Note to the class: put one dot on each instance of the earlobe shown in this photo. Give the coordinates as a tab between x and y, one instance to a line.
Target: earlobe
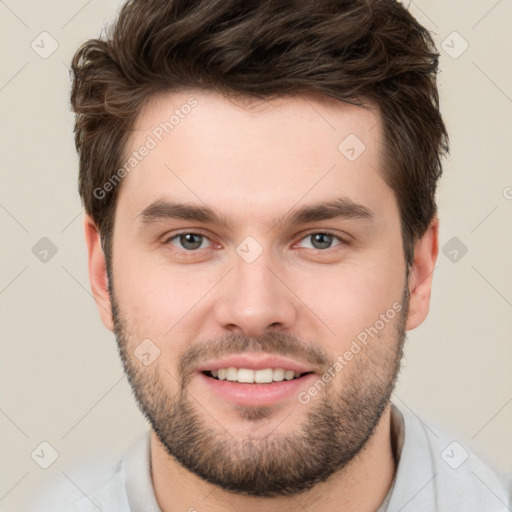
98	272
421	275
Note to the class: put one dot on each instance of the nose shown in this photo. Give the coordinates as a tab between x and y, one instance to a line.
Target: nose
254	298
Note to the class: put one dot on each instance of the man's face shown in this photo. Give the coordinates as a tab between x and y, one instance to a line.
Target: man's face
263	290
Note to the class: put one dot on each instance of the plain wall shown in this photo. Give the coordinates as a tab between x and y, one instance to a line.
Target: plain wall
61	380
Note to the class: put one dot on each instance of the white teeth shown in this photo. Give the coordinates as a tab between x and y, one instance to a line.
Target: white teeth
289	374
278	375
264	376
231	373
245	375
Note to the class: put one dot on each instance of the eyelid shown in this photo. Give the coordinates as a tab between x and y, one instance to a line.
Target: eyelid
344	237
343	240
167	238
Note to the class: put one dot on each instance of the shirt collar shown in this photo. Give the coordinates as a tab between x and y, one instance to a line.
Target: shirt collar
138	479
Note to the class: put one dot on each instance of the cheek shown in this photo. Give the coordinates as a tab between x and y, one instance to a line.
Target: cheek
152	295
352	300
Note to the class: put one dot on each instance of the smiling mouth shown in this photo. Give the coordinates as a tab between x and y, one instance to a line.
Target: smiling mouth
249	376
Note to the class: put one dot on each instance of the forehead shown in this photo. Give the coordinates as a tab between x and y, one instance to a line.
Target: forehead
231	153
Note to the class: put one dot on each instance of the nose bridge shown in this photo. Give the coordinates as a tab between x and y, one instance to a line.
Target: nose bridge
255	281
253	298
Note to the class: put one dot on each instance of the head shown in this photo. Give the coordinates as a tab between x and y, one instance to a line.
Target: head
216	141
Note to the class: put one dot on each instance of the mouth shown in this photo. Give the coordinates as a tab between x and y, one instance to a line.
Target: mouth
255	380
250	376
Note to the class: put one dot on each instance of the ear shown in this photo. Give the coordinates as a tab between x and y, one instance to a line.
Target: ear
98	272
426	250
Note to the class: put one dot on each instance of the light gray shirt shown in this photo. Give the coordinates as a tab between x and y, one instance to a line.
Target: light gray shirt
435	473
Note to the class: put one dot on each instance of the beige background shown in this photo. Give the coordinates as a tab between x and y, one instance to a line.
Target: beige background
61	380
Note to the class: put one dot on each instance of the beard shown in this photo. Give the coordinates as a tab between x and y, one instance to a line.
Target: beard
337	425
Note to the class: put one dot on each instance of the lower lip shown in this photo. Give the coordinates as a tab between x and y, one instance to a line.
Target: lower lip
257	394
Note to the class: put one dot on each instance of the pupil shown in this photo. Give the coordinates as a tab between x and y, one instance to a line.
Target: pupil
324	240
188	239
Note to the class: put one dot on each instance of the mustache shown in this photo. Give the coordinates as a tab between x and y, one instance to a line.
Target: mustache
274	343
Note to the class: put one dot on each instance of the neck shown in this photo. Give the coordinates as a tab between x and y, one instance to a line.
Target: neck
362	485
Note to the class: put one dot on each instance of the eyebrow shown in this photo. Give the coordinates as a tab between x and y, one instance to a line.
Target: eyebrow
339	208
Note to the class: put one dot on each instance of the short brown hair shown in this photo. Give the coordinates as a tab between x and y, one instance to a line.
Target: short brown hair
356	51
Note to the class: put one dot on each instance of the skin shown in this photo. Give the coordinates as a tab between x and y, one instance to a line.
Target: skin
254	164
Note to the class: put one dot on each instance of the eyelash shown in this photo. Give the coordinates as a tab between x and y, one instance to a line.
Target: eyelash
308	234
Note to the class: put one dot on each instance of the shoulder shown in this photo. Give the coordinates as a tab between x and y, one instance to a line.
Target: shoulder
90	487
440	472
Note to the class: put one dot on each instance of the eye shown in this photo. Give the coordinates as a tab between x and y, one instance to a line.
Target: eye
322	240
189	241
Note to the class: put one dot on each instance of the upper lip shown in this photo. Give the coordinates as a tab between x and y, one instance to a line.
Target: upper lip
253	362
